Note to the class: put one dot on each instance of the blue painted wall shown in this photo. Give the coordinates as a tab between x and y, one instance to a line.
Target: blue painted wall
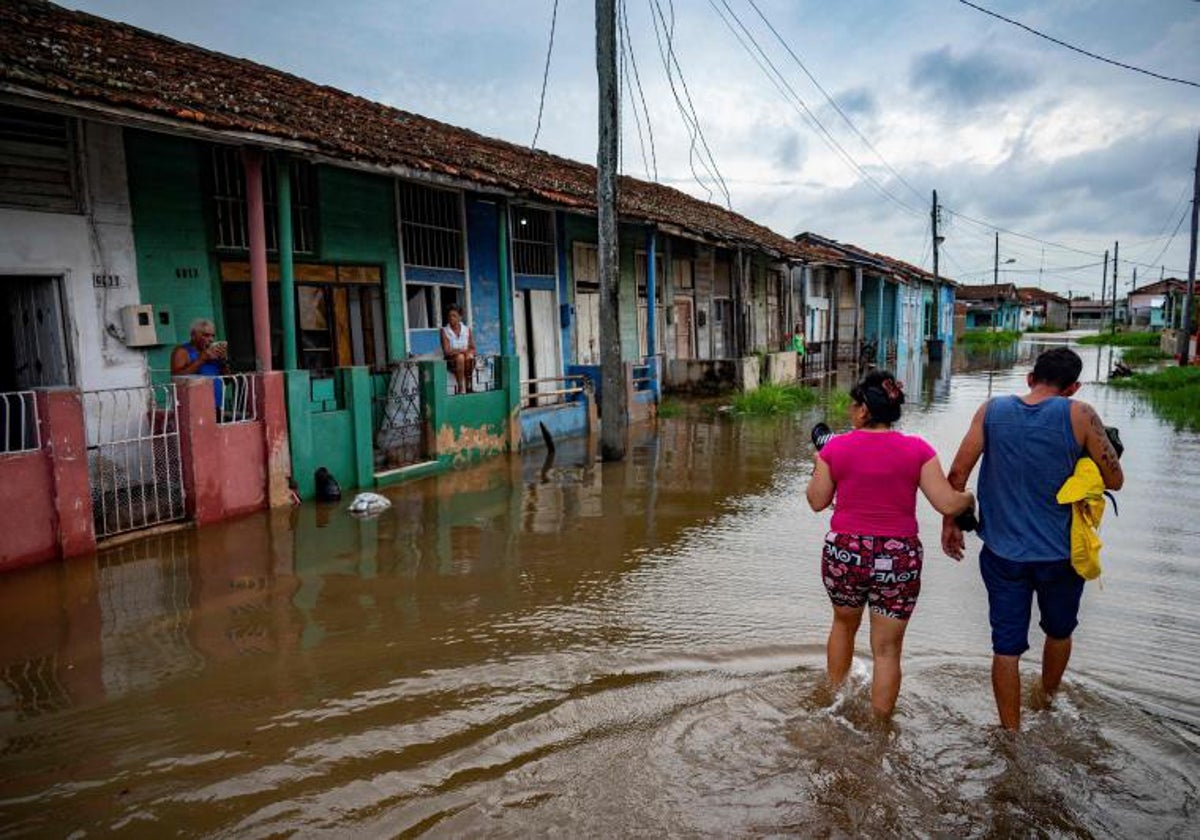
483	253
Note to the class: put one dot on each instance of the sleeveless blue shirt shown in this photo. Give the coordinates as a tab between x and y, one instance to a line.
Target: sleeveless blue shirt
1028	452
209	368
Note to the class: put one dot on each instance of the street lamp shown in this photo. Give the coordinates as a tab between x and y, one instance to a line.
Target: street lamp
996	280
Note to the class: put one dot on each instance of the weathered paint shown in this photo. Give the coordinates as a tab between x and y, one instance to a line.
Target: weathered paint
651	292
321	437
563	421
171	233
27	510
508	339
287	275
566	320
467	427
483	256
357	216
74	246
256	234
45	498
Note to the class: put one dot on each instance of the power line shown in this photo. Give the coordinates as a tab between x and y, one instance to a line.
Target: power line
833	102
545	76
790	94
692	121
1080	50
628	38
1167	245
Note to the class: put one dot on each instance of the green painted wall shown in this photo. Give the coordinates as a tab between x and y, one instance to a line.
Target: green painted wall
166	193
357	223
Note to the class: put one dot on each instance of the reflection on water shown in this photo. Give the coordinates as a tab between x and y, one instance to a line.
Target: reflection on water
631	648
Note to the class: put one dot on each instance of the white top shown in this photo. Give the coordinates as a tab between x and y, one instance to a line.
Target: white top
462	341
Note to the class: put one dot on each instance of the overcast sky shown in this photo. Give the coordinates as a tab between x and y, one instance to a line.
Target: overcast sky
1013	132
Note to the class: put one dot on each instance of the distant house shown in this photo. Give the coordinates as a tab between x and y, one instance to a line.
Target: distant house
1040	308
1158	305
1086	313
992	306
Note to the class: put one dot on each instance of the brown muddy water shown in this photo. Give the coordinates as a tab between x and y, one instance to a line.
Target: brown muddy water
628	649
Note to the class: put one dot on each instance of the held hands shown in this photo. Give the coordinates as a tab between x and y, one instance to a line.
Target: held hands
953	542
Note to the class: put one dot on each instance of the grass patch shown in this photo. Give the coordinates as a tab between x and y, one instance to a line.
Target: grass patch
987	338
670	407
1123	339
1173	393
770	400
1143	355
837	403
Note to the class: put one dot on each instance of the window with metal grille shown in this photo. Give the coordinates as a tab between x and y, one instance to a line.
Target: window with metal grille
532	242
37	161
229	201
431	227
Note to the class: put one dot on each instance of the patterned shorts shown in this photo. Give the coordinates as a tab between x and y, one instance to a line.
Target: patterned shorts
884	572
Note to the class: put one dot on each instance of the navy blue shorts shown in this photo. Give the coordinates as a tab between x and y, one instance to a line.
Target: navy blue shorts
1011	587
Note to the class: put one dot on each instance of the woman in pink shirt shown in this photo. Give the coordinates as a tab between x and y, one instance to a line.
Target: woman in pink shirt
873	552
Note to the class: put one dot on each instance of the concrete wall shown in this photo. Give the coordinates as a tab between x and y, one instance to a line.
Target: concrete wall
45	499
176	266
483	260
76	246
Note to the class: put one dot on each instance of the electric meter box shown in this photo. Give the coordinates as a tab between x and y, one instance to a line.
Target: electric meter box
146	325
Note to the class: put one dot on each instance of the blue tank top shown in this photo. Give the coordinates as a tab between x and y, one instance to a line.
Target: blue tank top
1028	452
209	368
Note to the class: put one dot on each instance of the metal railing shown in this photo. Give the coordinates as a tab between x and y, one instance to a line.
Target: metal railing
135	467
237	398
397	418
643	377
486	376
539	392
19	423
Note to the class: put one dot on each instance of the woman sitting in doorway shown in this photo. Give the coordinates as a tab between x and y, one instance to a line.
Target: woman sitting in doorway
458	346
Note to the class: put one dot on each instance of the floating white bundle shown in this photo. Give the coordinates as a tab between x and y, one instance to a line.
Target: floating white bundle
367	504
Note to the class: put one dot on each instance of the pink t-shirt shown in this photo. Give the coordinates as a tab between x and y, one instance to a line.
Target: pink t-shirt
877	476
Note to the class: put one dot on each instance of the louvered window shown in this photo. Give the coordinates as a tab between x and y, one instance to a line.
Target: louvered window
37	161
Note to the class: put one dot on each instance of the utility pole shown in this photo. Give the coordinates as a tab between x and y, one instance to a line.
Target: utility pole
1191	284
1112	323
996	282
613	399
933	218
1103	289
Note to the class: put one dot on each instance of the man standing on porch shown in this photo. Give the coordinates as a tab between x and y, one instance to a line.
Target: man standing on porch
202	356
458	346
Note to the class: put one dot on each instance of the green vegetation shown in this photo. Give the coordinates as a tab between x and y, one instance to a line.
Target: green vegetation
772	399
670	407
836	403
1173	393
1123	339
1143	355
987	338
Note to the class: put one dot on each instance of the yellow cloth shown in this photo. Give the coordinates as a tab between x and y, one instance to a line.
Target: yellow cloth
1084	492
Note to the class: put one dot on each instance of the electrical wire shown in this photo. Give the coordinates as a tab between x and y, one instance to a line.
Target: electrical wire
790	94
623	23
1080	50
690	118
545	76
833	103
1167	244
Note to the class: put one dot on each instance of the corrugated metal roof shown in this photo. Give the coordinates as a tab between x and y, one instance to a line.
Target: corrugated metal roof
49	51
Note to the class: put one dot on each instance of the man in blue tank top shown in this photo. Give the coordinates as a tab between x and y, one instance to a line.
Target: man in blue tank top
202	356
1029	446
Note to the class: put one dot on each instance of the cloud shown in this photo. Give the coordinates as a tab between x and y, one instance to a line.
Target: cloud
858	102
969	81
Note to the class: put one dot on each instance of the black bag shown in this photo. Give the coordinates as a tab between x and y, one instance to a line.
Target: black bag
328	489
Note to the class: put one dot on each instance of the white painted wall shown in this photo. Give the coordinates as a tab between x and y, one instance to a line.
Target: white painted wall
75	247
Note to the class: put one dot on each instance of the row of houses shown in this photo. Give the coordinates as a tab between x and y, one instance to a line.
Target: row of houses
147	183
1006	306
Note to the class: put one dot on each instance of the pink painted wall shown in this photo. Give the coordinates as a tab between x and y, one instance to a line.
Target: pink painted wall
45	500
232	469
27	512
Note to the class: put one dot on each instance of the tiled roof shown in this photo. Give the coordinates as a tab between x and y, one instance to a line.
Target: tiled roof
990	292
48	51
1029	294
1162	287
855	254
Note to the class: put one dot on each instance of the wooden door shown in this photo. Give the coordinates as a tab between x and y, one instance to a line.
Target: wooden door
38	350
685	333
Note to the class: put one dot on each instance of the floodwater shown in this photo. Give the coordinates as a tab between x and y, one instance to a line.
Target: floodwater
627	649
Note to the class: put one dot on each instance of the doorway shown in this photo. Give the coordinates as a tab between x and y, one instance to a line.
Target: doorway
33	347
536	331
